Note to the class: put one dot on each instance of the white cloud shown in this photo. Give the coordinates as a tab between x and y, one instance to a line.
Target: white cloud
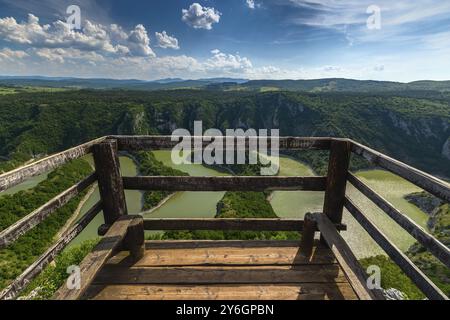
68	55
93	37
165	41
12	55
138	42
228	63
401	20
200	17
251	4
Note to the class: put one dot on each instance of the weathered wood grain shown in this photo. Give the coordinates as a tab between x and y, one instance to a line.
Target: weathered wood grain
20	283
219	275
226	256
433	185
235	183
337	179
437	248
207	244
347	260
95	260
243	224
28	222
430	290
135	238
309	230
110	182
304	291
223	224
14	177
145	143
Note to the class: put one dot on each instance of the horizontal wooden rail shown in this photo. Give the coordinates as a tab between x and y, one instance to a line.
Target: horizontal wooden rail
94	261
20	283
234	183
28	222
145	143
437	248
430	290
347	260
226	224
15	177
433	185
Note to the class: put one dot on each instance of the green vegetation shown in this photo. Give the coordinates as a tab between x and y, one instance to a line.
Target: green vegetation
44	286
19	255
149	166
411	127
15	161
393	277
226	84
31	89
439	224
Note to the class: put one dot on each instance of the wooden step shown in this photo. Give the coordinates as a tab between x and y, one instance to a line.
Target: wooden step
240	270
312	291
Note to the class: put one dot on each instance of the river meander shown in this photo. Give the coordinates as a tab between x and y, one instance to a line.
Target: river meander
287	204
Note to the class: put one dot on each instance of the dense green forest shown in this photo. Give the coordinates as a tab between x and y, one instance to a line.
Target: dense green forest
316	85
414	130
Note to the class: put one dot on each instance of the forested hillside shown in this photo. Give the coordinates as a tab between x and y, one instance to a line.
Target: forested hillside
413	129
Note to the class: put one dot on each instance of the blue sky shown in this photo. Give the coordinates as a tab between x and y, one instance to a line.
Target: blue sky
254	39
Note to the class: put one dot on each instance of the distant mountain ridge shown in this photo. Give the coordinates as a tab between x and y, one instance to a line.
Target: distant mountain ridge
228	84
104	83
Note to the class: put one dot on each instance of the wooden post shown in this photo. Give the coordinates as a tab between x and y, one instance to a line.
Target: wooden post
309	230
337	180
109	181
134	239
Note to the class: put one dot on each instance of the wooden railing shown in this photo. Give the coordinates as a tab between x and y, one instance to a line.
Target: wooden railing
328	223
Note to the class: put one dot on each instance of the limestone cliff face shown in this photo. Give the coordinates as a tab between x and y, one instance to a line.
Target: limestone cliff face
420	128
134	122
415	136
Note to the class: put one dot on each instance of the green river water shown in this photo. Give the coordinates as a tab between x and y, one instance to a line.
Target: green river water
287	204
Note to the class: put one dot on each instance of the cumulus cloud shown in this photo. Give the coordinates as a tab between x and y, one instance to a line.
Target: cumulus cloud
251	4
165	41
138	42
70	55
93	37
200	17
8	54
227	62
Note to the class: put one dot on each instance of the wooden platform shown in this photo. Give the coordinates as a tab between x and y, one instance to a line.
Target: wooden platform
185	270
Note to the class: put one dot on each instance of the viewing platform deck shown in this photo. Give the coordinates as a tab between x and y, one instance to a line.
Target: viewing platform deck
222	270
125	266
